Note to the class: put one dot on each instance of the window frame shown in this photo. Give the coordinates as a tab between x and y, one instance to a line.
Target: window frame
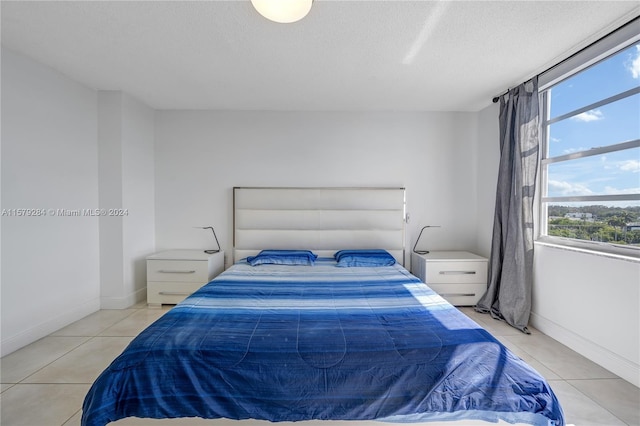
599	51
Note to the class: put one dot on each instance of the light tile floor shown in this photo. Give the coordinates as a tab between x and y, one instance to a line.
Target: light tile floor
44	384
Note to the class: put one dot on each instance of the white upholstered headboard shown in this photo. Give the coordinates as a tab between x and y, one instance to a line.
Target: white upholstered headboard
323	220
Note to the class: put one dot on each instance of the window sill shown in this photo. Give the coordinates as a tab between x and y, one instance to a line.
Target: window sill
590	248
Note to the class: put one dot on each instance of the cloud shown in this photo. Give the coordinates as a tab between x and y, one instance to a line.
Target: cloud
567	189
633	65
630	166
593	115
610	190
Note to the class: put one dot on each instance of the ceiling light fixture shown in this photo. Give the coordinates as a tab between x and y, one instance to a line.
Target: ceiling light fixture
283	11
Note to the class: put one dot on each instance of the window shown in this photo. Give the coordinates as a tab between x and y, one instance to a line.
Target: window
590	166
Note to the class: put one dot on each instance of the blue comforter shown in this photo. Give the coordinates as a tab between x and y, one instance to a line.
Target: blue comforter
318	342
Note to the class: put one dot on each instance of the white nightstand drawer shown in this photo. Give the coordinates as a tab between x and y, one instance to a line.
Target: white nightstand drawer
170	292
178	270
173	275
458	276
456	272
460	294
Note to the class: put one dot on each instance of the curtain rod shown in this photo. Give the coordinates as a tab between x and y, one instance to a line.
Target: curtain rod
497	98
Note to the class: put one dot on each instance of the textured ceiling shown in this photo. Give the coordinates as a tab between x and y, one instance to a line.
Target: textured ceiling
345	55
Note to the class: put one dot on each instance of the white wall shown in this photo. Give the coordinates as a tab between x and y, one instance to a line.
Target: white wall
126	164
588	302
592	304
63	149
138	195
488	161
49	161
201	156
110	196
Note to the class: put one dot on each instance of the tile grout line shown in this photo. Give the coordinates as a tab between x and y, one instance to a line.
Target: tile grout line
134	310
596	402
49	363
88	339
72	416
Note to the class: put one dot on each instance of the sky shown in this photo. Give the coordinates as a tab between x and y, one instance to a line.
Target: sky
610	173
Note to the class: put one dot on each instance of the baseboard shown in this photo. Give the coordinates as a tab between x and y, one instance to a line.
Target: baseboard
51	325
125	301
613	362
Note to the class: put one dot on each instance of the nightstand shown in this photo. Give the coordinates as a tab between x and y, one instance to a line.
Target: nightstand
174	274
458	276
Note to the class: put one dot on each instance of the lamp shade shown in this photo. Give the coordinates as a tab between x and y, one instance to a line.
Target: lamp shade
283	11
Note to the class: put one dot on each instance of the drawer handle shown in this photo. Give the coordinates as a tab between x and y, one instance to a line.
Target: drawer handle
457	272
176	272
456	294
173	293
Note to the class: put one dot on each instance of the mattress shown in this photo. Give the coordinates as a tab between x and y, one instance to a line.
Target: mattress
294	343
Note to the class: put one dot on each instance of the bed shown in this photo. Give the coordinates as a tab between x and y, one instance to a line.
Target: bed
299	334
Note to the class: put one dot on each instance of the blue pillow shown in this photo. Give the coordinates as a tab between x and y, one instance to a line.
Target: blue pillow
365	257
283	257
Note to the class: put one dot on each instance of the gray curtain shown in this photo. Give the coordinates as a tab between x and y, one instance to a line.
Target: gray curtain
510	279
